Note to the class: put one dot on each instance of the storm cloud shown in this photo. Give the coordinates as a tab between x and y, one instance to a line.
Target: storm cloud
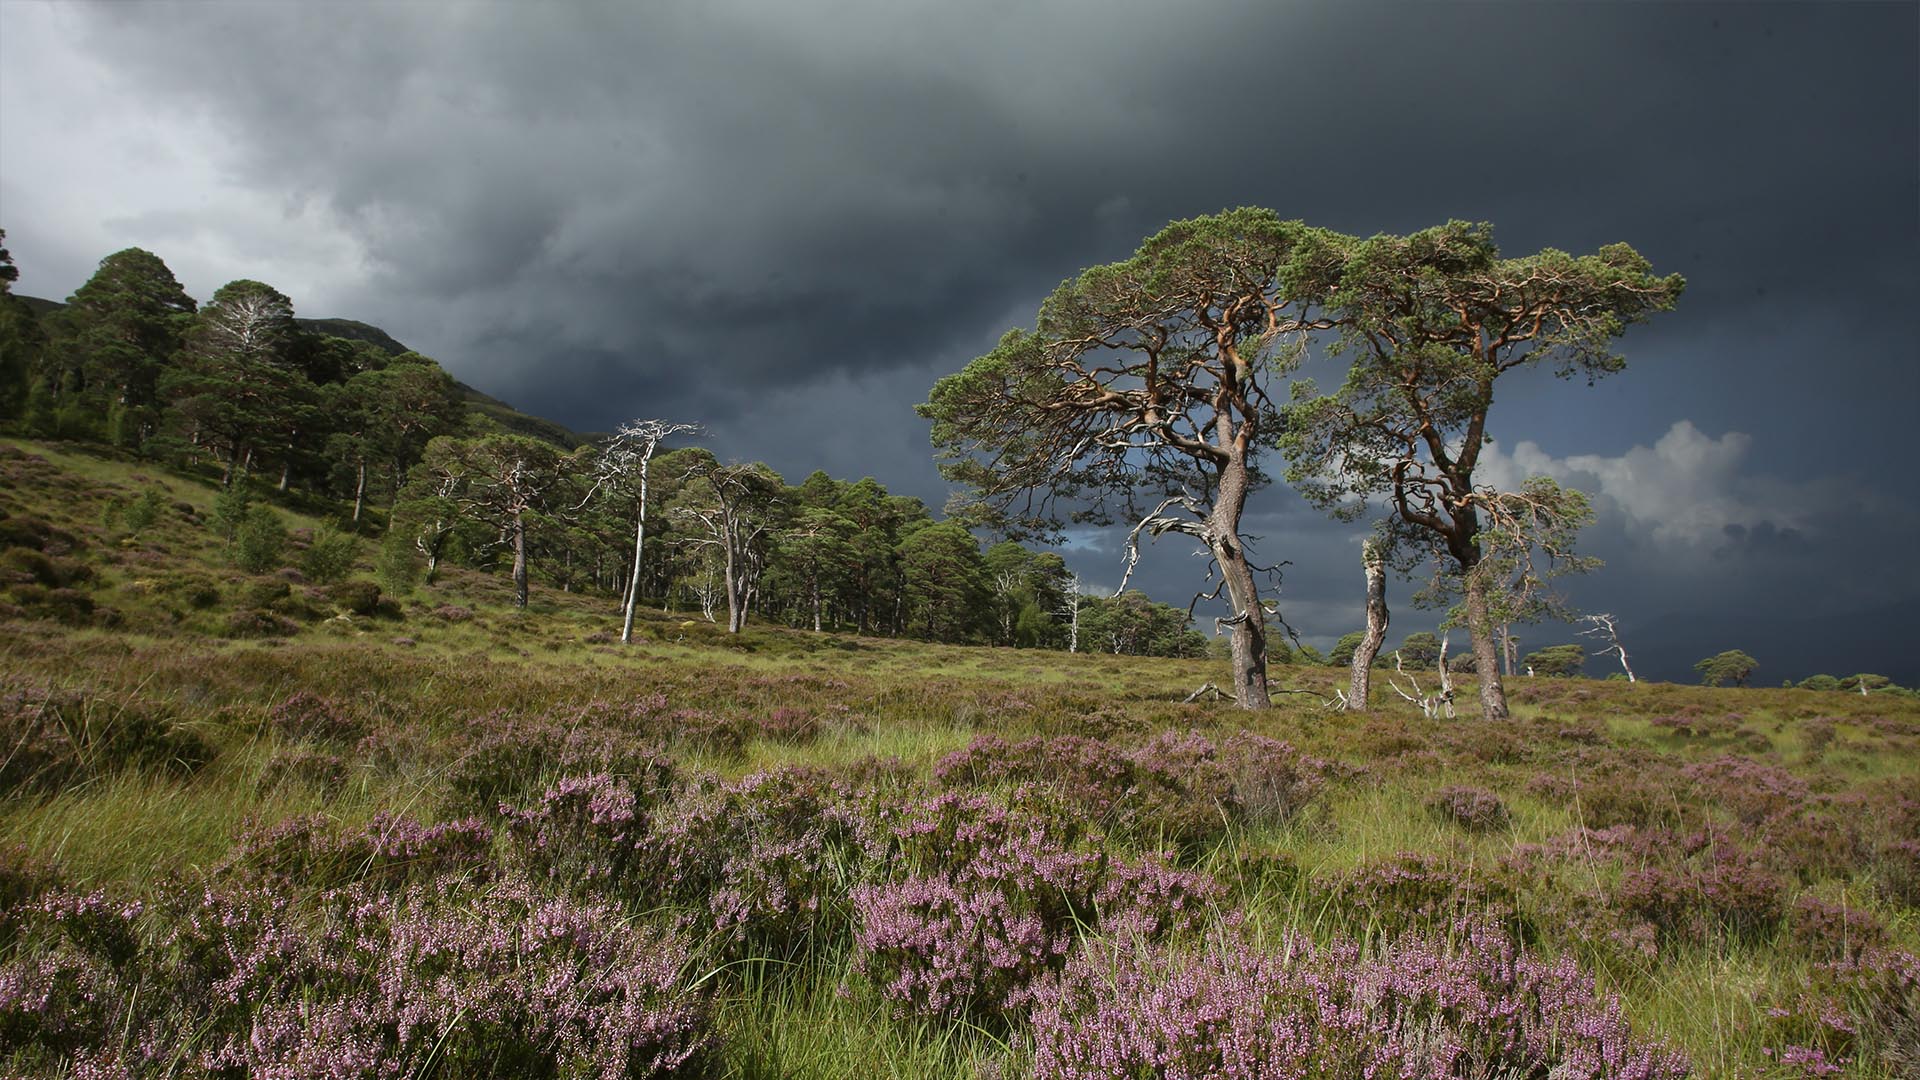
786	220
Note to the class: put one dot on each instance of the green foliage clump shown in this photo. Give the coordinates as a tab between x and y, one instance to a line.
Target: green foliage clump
139	513
260	543
229	512
1732	666
330	556
395	567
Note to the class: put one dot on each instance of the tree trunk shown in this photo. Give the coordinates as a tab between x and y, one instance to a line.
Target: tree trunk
735	617
1249	619
816	605
286	469
359	491
1486	657
1374	560
519	561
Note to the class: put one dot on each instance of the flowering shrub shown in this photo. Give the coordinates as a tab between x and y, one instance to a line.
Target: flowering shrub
1178	787
1731	893
502	756
1752	790
1473	809
789	725
504	982
1410	891
388	850
307	715
1482	1008
767	862
986	900
1834	932
589	830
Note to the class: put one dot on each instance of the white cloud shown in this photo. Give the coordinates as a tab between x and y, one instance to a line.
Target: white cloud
1685	489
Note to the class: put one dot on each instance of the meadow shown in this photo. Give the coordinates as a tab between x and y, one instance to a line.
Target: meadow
251	826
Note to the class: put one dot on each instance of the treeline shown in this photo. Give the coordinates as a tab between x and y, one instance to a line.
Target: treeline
238	389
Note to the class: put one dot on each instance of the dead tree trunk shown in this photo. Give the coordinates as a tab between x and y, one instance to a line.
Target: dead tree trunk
1373	558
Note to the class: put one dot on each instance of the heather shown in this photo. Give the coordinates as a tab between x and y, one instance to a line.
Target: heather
450	839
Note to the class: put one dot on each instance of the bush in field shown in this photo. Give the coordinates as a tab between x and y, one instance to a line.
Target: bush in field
1473	809
355	597
1178	787
389	851
1726	893
330	556
1413	891
590	831
1478	1007
981	901
56	738
260	542
239	981
765	864
502	755
307	715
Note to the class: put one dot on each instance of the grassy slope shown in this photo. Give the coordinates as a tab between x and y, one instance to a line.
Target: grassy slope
456	651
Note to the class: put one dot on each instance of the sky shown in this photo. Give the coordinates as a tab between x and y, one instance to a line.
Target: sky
786	221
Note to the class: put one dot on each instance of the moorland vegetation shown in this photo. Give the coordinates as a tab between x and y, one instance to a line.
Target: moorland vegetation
281	796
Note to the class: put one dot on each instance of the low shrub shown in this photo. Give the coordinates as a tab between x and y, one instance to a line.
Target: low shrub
1477	1007
1473	809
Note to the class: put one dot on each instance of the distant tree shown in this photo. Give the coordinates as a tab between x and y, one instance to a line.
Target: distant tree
1420	651
499	480
1602	626
946	587
1432	321
260	543
21	340
236	390
1145	378
1732	666
123	327
621	474
1130	624
817	546
1561	661
1341	655
1819	682
1865	684
729	514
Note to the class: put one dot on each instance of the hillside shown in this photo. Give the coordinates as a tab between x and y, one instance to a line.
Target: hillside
804	854
493	409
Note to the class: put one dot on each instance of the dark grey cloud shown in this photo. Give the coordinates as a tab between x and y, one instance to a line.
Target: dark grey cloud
787	220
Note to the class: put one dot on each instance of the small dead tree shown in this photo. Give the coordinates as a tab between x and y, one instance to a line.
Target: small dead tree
626	459
1373	558
1438	703
1070	603
1603	628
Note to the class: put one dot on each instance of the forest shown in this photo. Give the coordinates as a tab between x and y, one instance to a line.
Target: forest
292	412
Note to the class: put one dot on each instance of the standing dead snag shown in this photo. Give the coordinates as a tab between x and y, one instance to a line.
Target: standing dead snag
1144	378
628	456
1438	703
1373	557
1603	627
